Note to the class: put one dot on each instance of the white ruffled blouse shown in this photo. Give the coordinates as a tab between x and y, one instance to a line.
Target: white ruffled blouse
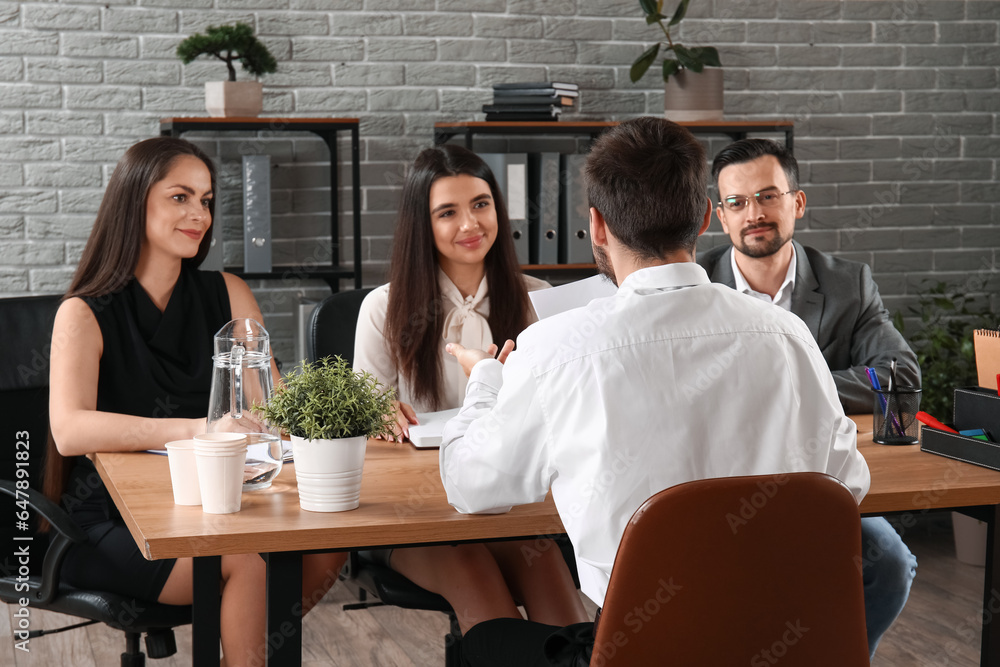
465	322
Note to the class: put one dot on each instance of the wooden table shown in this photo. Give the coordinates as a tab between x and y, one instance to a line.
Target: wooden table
403	503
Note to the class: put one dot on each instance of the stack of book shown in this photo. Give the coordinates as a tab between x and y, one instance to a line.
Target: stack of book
542	100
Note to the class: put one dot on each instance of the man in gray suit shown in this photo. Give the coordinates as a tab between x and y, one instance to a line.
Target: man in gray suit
759	202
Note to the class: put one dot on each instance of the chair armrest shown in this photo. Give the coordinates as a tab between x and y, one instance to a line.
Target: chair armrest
48	510
67	534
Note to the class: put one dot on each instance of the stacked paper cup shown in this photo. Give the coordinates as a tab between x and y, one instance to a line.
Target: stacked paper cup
220	458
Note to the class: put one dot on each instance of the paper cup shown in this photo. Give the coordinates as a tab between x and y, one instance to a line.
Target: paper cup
183	472
220	477
221	440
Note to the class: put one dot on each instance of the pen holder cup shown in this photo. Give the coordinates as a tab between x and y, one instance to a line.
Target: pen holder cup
895	416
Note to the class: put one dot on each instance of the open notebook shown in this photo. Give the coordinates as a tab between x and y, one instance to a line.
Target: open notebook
427	434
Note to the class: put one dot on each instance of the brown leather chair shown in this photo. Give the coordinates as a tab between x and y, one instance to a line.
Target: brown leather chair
757	571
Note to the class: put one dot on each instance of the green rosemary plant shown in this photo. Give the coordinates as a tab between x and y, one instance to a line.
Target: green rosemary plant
327	399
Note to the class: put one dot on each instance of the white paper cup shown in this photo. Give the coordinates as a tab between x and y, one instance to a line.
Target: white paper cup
221	440
183	472
220	477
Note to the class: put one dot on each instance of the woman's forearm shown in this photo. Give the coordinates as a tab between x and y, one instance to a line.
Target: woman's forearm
85	431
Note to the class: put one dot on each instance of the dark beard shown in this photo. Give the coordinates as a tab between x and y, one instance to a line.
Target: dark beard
604	265
763	250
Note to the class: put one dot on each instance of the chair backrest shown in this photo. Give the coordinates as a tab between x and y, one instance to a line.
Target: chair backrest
331	330
738	571
26	334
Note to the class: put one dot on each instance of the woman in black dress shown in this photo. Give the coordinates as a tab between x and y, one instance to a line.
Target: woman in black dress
131	370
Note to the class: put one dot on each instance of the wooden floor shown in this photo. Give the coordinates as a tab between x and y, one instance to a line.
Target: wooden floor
938	627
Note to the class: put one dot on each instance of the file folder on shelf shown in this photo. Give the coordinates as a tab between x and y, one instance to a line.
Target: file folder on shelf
257	213
574	208
511	172
543	215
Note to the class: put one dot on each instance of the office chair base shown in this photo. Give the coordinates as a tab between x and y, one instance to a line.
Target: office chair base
160	643
133	655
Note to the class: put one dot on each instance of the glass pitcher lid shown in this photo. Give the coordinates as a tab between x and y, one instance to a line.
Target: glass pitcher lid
246	333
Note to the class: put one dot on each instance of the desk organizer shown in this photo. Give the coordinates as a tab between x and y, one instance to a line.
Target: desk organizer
975	407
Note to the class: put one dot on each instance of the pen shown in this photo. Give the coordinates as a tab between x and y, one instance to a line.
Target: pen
925	418
877	386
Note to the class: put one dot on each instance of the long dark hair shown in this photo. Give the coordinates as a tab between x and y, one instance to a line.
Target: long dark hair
112	251
414	318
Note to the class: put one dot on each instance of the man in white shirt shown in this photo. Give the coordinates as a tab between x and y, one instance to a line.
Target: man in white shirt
655	386
759	202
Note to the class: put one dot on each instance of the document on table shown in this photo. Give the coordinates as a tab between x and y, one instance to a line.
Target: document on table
552	301
427	434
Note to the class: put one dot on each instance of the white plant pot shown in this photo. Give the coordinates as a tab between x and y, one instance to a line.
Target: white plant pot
328	473
234	98
692	96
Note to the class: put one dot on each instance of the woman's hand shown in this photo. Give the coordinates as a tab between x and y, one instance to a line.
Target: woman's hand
405	416
467	358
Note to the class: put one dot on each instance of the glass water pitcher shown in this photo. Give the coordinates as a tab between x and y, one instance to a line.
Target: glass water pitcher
242	378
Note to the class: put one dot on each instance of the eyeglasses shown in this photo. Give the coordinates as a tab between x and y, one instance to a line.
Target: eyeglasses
764	199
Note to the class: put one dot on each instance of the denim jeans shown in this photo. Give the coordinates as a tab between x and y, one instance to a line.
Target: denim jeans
887	570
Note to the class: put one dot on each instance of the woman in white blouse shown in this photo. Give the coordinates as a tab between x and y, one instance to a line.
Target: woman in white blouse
454	277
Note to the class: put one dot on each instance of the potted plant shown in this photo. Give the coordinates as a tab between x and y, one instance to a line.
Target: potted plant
230	43
330	411
943	342
692	80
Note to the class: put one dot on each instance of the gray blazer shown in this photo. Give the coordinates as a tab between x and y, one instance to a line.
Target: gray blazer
839	302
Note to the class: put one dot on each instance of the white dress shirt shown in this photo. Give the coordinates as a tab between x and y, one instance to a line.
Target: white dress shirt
672	379
465	322
782	298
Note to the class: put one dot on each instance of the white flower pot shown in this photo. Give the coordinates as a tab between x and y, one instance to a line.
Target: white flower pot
234	98
328	473
691	96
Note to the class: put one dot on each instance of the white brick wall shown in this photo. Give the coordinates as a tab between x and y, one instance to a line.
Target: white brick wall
896	109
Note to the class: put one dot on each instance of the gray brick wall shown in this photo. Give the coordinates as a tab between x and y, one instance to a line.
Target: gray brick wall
895	103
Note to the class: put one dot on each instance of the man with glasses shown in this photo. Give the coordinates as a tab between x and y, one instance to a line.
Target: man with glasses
759	202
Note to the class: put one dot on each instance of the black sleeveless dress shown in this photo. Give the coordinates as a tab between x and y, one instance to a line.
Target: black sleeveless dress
154	365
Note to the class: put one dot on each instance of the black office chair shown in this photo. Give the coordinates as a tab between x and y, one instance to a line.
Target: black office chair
331	332
26	330
331	328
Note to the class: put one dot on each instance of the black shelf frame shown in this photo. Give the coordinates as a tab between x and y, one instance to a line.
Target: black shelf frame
326	129
734	129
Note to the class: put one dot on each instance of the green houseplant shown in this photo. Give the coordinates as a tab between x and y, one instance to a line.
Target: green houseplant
330	411
692	78
231	44
943	343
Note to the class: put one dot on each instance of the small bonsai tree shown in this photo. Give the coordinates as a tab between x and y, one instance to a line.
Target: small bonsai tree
327	399
229	43
694	58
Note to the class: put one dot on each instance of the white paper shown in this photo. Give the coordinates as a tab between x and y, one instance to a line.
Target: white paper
555	300
428	432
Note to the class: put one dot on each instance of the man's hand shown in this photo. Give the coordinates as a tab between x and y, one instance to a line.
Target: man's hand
468	358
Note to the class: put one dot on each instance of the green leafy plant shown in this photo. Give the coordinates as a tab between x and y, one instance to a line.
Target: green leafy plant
943	344
327	399
693	58
229	43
